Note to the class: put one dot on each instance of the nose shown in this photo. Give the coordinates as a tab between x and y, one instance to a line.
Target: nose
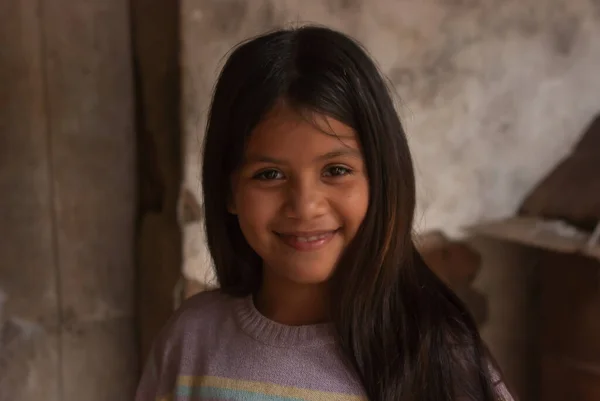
306	200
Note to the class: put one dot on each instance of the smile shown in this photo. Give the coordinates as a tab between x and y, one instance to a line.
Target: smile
307	241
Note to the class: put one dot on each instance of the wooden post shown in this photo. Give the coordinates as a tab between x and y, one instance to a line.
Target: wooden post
156	50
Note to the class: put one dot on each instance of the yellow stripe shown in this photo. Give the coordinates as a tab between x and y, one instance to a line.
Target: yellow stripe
265	388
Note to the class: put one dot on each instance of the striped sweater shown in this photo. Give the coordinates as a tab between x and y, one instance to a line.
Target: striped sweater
220	348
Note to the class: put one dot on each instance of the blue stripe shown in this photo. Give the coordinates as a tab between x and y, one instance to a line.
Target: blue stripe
228	394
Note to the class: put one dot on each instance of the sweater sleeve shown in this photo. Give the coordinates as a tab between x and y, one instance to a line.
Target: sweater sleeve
148	386
466	377
499	386
502	392
160	371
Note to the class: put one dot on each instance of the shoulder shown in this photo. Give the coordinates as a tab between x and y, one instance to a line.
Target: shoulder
203	308
198	316
186	338
203	302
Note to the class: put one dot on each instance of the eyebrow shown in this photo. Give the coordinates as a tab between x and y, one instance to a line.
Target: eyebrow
327	156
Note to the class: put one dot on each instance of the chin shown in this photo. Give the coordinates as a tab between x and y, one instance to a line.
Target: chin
309	275
310	280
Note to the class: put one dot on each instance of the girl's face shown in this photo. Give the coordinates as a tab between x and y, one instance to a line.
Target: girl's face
300	195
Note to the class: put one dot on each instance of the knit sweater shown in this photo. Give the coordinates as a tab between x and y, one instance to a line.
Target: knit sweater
220	348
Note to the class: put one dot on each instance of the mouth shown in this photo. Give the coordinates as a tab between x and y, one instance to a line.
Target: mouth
307	241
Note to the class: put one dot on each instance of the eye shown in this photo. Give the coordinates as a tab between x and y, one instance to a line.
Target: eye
337	171
268	175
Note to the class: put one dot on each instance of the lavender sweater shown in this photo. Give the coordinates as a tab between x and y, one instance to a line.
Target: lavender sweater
220	348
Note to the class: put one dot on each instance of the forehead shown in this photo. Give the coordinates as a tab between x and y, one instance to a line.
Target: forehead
285	130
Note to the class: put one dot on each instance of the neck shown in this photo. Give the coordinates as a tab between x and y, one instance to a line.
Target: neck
293	304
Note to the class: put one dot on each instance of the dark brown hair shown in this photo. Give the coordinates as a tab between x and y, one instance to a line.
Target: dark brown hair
406	334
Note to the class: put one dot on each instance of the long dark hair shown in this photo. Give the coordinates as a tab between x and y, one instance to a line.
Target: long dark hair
405	333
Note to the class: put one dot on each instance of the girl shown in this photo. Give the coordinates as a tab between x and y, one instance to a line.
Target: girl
309	197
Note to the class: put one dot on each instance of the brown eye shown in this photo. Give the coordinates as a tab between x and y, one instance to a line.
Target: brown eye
337	171
268	175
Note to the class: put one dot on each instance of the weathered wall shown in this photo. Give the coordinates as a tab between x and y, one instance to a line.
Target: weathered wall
492	94
67	182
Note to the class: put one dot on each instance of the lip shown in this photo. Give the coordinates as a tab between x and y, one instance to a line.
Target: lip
307	240
304	233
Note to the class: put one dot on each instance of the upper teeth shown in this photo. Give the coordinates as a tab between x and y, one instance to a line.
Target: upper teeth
312	238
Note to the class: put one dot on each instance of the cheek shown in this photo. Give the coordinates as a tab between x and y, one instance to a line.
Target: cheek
354	205
255	210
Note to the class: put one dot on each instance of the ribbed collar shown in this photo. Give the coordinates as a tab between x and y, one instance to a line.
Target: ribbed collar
264	330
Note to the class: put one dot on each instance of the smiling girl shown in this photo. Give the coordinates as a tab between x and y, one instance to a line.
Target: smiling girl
309	196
